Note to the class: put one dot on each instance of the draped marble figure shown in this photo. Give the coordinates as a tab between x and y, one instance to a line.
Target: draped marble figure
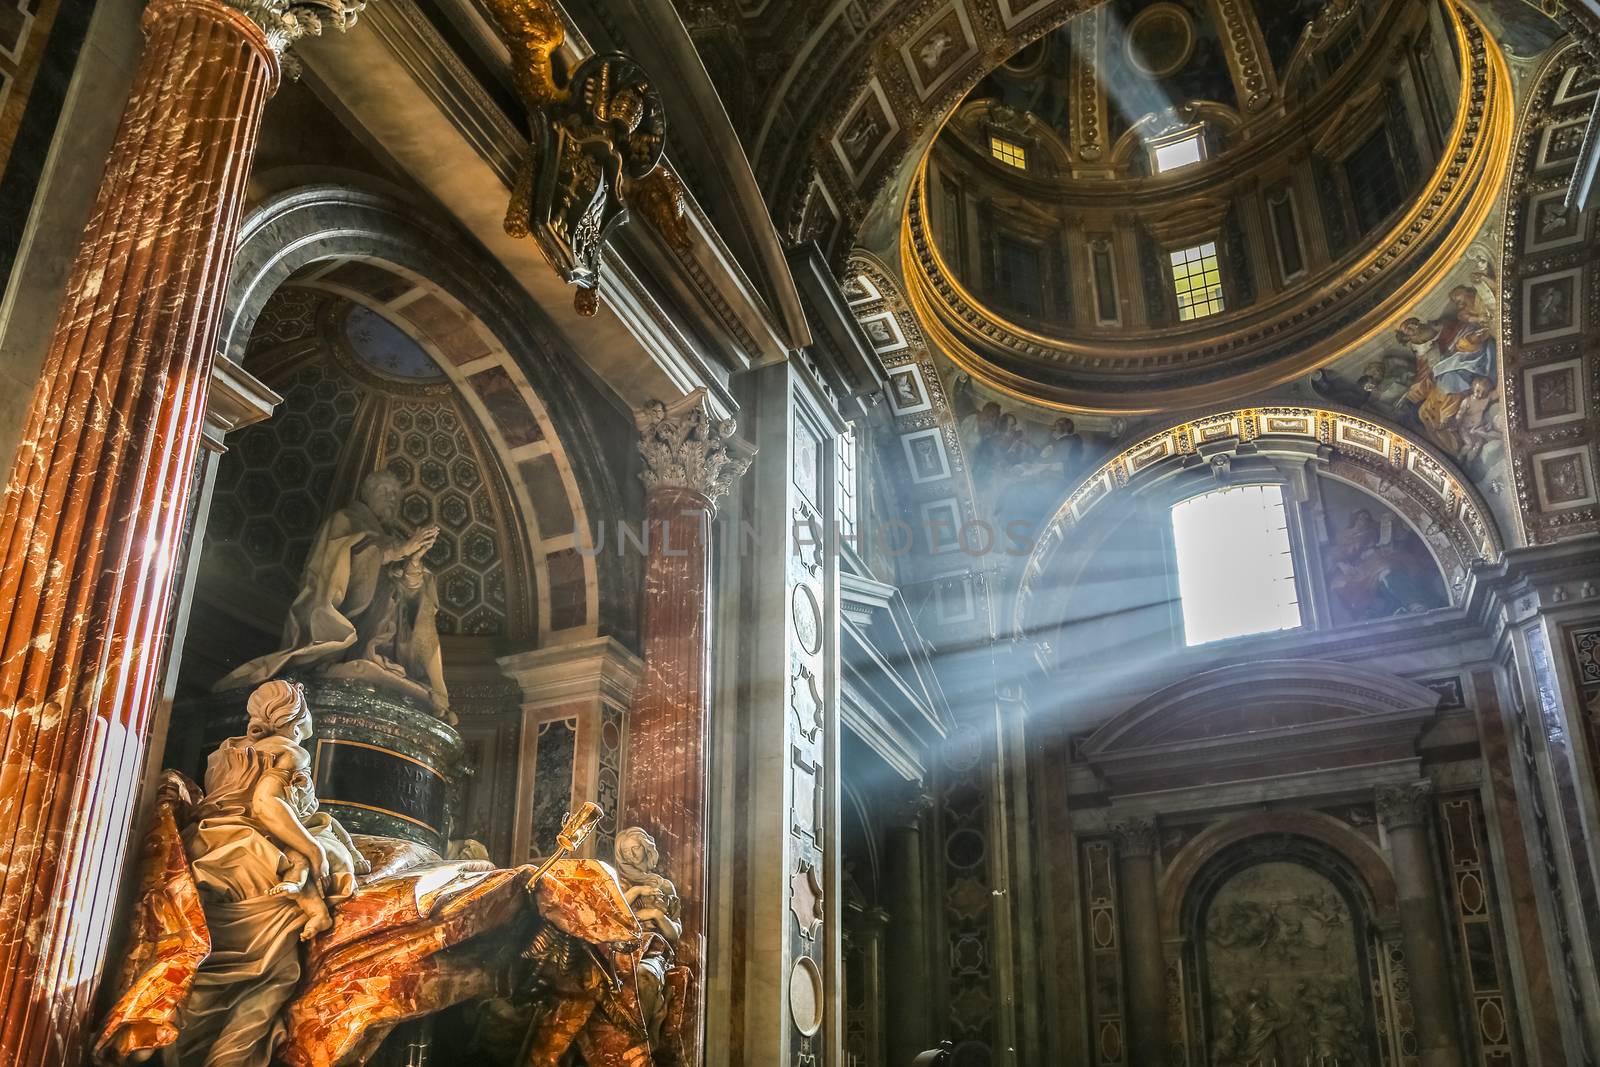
231	959
367	607
268	866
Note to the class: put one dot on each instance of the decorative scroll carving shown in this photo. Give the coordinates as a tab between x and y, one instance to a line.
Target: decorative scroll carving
1135	837
1400	806
595	148
685	447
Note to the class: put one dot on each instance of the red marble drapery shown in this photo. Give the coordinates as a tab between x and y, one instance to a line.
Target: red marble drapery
94	508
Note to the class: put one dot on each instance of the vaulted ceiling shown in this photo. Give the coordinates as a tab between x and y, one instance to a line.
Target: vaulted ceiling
795	78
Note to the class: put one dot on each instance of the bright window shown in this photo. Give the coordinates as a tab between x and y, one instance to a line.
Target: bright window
1009	152
1197	281
1235	569
1180	153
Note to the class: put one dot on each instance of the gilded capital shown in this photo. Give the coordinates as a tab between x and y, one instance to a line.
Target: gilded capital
686	447
1135	837
1405	805
286	21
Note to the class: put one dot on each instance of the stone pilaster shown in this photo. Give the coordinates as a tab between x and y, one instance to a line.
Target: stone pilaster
1403	812
908	1023
94	507
1141	931
690	459
593	682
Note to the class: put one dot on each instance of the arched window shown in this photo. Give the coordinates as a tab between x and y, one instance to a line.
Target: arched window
1235	563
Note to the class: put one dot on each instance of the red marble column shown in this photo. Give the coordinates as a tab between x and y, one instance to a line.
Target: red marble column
690	460
94	507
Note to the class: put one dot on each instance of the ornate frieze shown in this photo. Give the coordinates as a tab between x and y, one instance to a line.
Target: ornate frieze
1400	806
686	447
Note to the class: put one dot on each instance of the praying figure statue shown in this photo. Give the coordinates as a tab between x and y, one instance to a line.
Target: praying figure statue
367	605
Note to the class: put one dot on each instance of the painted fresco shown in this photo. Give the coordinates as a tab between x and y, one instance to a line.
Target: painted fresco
1437	374
1023	460
1282	972
1521	28
1376	565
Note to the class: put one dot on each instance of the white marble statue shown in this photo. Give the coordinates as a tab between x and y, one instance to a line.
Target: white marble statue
367	605
654	900
268	866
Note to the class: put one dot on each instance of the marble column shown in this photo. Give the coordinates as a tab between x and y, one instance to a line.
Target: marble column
909	1026
94	507
690	459
1141	936
1403	811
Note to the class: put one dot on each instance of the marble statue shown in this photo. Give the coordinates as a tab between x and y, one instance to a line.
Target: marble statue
654	899
268	865
262	933
367	605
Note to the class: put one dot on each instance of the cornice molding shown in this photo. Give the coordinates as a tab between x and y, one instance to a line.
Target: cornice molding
596	669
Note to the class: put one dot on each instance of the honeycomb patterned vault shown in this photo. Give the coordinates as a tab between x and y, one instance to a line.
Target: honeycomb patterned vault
338	420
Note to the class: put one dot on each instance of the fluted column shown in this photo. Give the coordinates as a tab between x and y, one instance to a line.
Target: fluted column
94	507
690	459
1403	811
1141	935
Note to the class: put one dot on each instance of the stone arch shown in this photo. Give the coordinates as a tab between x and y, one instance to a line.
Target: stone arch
1395	465
373	249
1362	856
1342	893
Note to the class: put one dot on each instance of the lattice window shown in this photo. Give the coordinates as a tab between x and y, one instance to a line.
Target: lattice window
1197	281
1235	565
1374	180
849	513
1009	152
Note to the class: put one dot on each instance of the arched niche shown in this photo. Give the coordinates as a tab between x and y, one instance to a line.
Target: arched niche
1113	528
390	343
1283	929
376	250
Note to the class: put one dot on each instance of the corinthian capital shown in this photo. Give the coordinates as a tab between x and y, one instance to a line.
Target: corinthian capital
286	21
1404	805
1135	837
686	447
